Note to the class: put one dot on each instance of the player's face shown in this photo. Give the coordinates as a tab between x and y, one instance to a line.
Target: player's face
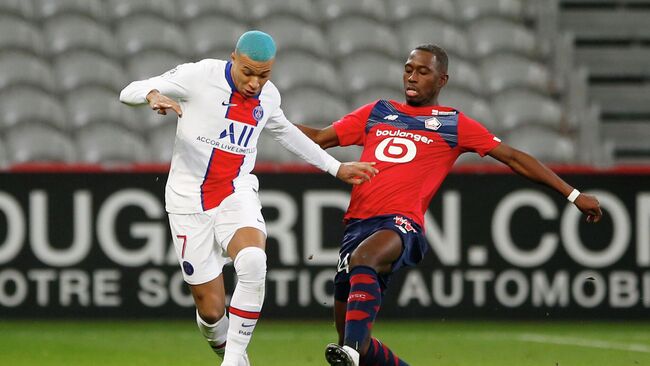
422	80
250	76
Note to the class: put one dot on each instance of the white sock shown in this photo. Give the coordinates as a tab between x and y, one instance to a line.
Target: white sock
246	302
215	333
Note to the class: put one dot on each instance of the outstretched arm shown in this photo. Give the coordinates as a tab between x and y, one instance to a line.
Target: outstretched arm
325	137
531	168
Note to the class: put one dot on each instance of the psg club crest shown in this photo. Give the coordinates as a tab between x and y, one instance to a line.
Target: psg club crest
258	113
432	124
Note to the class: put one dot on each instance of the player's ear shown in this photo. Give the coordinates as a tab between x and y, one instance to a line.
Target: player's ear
233	56
444	79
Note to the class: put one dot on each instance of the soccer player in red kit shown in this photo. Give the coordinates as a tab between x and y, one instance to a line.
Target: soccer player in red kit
414	146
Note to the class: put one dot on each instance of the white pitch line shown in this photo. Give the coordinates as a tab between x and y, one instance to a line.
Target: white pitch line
591	343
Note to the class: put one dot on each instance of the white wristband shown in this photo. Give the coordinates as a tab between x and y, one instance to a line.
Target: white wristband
573	195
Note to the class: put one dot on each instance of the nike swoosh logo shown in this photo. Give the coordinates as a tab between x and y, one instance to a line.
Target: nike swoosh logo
247	325
260	221
228	104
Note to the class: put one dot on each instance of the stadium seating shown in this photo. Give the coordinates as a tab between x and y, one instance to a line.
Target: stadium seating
70	32
261	9
491	35
463	74
152	63
21	8
192	9
347	153
150	33
79	69
38	143
369	35
161	141
109	144
127	8
364	71
333	9
51	8
4	156
506	71
417	31
401	9
214	36
471	105
93	105
349	53
470	10
376	93
18	34
543	143
30	105
299	107
300	69
283	29
18	68
516	107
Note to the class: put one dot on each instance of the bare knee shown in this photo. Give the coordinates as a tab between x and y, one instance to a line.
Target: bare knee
211	315
210	307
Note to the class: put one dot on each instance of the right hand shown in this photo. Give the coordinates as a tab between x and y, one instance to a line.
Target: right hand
161	103
356	172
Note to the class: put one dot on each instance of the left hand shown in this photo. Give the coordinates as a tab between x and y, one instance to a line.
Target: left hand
356	172
589	206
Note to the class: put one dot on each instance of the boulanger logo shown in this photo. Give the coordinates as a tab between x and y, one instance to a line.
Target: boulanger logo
396	150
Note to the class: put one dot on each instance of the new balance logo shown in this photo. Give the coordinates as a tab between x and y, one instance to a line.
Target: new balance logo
391	117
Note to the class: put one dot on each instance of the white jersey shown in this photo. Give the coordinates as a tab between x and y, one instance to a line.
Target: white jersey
215	147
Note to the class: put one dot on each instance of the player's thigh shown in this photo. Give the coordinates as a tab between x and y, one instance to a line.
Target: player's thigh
378	251
240	224
200	259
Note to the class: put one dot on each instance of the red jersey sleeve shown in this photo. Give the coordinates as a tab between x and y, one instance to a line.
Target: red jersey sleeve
473	136
351	129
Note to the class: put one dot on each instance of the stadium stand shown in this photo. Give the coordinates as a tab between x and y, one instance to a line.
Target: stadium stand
283	28
545	144
78	69
111	145
213	36
21	8
299	107
26	105
19	68
334	9
192	9
40	143
19	34
261	9
71	32
508	62
160	139
432	8
611	38
44	9
290	72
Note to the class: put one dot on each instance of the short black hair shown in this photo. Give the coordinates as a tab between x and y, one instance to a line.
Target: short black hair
439	52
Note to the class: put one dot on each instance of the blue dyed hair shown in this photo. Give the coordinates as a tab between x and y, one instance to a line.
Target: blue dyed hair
257	45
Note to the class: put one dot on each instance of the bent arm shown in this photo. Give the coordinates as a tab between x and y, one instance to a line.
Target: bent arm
325	137
175	84
529	167
534	170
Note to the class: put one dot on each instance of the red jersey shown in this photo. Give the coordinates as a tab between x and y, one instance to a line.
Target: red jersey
414	148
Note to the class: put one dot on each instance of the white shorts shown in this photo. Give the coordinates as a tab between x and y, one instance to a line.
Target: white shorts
201	239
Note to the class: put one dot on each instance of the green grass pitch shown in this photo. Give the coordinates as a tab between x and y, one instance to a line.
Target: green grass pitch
421	343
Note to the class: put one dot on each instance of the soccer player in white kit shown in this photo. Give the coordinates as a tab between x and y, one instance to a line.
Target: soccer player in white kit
211	196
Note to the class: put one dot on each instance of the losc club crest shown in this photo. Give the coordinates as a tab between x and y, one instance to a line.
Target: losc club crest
258	113
432	124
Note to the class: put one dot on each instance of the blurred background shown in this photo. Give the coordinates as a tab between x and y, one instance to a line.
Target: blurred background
83	232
